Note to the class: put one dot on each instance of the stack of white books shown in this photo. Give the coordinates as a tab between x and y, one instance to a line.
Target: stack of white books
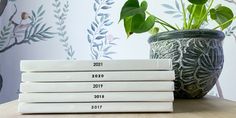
54	86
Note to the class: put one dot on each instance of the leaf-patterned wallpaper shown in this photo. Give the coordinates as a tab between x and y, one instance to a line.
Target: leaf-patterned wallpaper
60	13
100	43
88	29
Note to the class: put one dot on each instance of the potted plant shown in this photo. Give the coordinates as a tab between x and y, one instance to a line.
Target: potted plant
196	53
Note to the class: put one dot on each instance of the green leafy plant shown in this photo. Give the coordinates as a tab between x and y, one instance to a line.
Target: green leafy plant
138	20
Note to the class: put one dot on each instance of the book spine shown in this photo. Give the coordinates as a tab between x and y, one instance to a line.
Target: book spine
99	76
97	86
95	107
46	65
96	97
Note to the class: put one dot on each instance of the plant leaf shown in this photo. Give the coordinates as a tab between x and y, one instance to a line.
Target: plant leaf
135	17
213	14
154	30
137	20
131	12
222	14
127	25
131	8
198	2
144	5
140	25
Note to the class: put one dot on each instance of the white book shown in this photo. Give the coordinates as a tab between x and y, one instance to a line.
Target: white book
98	76
97	86
92	65
96	97
95	107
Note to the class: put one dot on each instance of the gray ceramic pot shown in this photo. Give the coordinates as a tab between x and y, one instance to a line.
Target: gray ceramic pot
0	83
197	59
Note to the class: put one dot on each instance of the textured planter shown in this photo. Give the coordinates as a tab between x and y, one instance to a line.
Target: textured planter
197	59
0	83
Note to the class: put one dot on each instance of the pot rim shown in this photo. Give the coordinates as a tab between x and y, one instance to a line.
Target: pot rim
203	33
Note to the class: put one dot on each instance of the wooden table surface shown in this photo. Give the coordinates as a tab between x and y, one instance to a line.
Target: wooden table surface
208	107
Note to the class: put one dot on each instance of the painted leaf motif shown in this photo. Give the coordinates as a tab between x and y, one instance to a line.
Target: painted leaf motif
3	4
61	12
203	62
197	63
98	36
168	6
105	7
4	35
173	10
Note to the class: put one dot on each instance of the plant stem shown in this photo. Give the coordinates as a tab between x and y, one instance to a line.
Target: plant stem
167	24
163	25
225	23
205	15
203	6
191	16
177	26
163	22
184	15
149	13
